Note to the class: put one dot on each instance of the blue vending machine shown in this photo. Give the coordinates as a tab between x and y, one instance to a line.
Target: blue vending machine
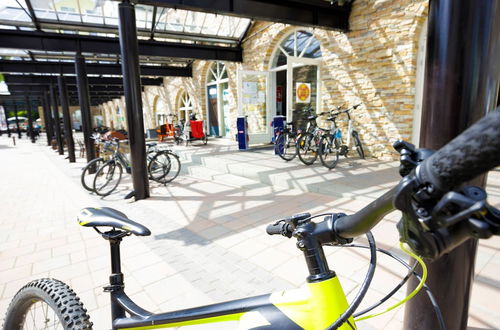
242	136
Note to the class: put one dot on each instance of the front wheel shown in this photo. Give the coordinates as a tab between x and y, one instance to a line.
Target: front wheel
46	304
164	167
108	178
329	151
307	148
89	171
357	144
285	146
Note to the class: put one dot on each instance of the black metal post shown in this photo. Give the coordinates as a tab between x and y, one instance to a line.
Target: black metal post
48	118
57	121
31	133
461	84
5	112
84	100
68	129
133	99
17	121
6	116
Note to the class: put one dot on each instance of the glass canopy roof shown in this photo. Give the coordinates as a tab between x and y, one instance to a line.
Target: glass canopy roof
100	17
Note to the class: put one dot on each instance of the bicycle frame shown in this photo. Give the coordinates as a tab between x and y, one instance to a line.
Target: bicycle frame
349	129
345	147
120	157
315	306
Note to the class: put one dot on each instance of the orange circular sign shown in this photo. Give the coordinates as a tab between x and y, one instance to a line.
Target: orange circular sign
303	92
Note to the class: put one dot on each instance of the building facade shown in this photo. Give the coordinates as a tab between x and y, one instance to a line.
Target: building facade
287	69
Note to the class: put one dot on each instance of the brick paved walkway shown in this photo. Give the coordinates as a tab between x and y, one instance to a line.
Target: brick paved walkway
208	242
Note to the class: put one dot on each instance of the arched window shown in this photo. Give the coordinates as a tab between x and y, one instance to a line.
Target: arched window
185	106
301	44
295	66
218	100
160	110
217	72
120	117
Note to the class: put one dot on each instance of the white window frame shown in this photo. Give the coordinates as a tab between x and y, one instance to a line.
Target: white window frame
294	61
257	138
187	108
217	82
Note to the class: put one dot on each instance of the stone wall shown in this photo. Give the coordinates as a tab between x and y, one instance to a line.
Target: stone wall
373	64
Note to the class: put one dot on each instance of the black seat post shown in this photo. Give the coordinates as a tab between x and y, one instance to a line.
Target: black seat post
116	283
114	244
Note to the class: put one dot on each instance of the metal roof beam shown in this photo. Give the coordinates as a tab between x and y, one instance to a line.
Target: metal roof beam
33	16
19	99
92	68
35	93
70	88
59	42
11	79
313	13
153	24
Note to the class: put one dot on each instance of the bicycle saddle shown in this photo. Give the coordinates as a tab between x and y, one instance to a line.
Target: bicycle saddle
312	117
108	217
151	144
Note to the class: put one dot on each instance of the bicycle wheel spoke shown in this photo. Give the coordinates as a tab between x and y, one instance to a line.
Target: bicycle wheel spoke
164	167
107	178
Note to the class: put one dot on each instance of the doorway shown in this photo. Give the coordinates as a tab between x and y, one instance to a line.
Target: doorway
218	100
295	76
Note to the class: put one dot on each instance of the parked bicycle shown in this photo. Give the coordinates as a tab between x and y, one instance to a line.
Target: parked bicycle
89	171
285	144
332	144
438	215
163	167
191	130
308	142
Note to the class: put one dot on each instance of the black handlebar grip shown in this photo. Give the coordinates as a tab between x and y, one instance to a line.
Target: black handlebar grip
473	152
280	228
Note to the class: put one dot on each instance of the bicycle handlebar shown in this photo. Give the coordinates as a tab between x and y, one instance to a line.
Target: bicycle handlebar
475	151
280	228
354	107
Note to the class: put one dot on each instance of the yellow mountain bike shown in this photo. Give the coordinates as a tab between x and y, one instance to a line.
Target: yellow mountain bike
438	215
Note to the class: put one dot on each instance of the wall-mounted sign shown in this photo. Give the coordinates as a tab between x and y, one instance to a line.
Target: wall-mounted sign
302	92
250	93
249	87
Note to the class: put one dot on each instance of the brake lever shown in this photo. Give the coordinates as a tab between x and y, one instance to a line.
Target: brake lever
410	156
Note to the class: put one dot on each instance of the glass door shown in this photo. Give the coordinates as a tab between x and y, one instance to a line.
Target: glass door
303	88
224	109
253	102
213	113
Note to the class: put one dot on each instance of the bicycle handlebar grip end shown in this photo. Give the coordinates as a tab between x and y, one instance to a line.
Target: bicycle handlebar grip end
473	152
281	228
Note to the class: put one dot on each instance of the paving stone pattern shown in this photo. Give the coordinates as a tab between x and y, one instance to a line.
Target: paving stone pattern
208	241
